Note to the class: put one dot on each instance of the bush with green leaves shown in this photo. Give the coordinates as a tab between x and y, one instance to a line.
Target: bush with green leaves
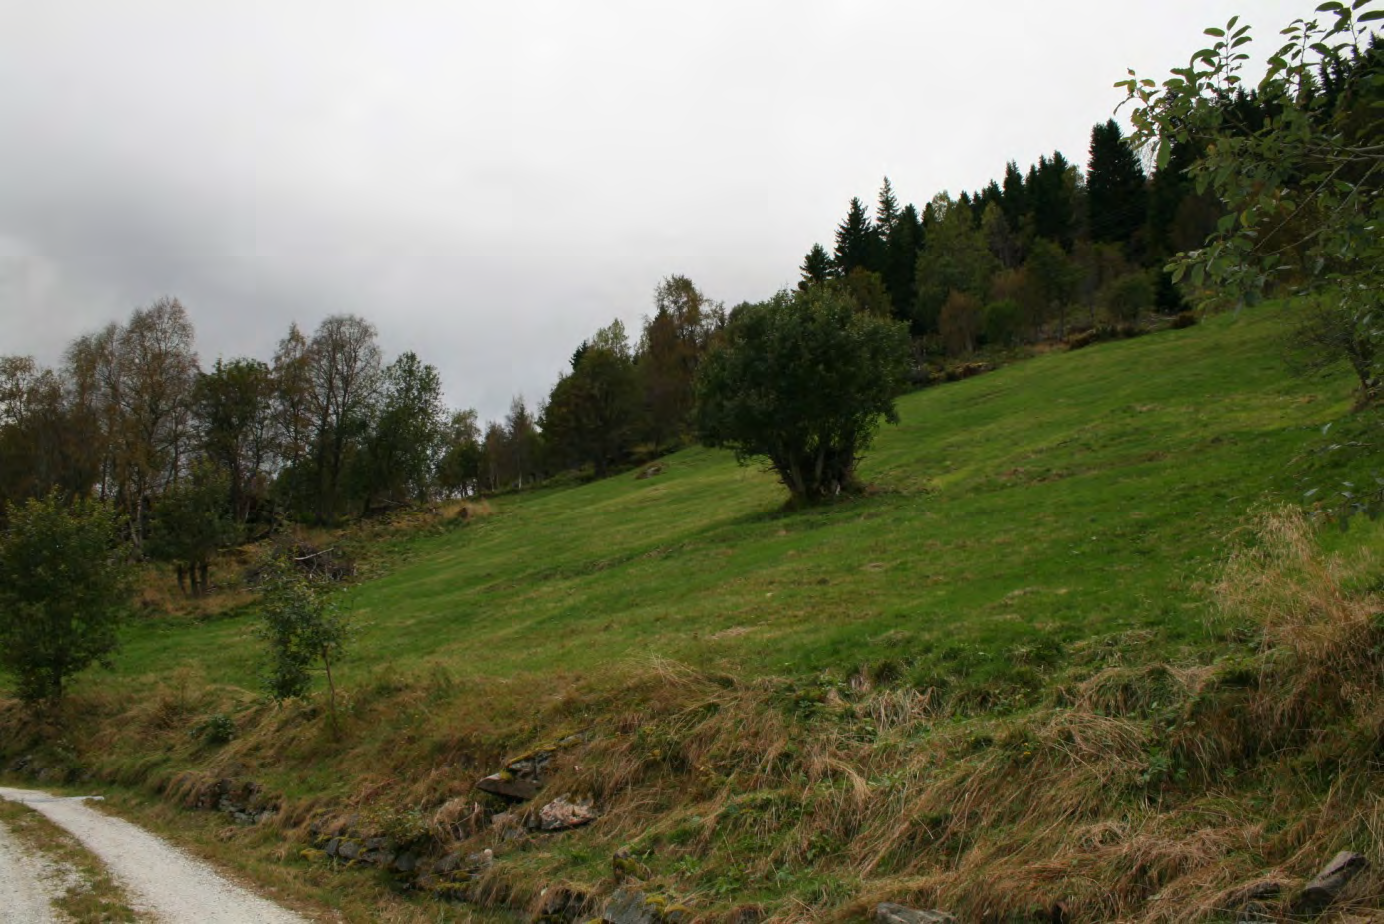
217	728
65	585
191	521
302	627
1301	183
1298	166
802	381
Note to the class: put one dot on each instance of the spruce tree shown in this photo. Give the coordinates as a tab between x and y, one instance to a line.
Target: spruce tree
900	257
816	267
856	240
886	211
1051	190
1014	201
1116	199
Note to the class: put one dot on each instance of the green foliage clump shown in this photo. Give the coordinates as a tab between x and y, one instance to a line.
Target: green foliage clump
217	728
192	520
802	380
301	627
65	583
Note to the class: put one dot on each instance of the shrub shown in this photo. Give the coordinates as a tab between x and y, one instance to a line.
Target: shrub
65	584
802	380
217	728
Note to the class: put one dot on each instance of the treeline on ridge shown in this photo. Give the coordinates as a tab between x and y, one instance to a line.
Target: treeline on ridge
198	458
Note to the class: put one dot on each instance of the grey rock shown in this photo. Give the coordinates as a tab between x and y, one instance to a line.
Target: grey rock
348	849
333	846
406	862
532	766
448	864
509	786
629	906
508	825
1333	878
562	814
890	913
480	861
563	904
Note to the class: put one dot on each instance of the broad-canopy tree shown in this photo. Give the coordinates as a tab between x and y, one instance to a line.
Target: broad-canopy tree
191	521
802	381
592	414
233	418
65	585
406	436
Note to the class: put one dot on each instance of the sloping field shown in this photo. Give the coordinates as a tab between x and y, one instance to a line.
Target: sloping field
1075	494
1026	677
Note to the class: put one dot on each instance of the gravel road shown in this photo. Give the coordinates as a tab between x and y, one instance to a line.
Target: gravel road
160	880
23	897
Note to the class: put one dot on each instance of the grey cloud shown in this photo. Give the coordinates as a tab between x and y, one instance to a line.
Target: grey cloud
489	183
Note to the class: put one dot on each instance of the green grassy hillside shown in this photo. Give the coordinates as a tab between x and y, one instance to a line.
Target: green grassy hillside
1015	679
1071	495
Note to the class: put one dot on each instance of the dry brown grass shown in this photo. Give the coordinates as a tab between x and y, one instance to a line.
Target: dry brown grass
1143	791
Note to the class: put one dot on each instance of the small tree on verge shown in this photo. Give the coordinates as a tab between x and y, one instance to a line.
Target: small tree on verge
302	628
65	583
1303	188
802	380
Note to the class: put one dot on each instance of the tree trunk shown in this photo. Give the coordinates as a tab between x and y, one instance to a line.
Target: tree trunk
331	692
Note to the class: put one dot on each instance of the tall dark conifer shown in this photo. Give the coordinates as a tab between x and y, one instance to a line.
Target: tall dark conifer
1051	189
1116	196
886	211
1014	202
816	267
900	257
856	240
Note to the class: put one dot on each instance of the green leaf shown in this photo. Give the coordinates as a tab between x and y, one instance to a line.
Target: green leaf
1371	16
1213	31
1165	151
1330	7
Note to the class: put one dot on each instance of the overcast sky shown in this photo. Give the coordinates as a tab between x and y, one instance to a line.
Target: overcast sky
488	183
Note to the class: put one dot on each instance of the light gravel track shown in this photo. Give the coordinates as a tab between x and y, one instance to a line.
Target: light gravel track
160	881
24	899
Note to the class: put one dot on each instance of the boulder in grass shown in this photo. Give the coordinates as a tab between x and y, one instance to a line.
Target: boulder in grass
562	814
890	913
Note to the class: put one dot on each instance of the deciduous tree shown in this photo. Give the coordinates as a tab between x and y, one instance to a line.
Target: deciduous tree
65	584
802	381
